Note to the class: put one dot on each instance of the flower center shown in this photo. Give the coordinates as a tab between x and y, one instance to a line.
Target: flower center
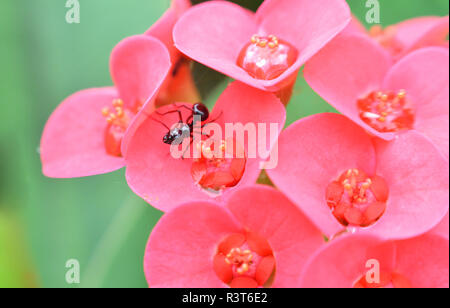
266	58
221	165
385	280
356	199
387	111
118	120
240	259
244	260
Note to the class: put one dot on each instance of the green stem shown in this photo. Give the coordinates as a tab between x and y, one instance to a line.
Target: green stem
111	241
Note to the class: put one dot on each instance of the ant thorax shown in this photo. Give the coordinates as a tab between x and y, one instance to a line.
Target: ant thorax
177	134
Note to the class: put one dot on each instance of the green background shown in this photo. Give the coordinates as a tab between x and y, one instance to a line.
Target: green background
97	220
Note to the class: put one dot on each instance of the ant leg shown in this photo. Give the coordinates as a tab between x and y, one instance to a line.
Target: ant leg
212	121
218	117
172	111
182	156
189	118
184	106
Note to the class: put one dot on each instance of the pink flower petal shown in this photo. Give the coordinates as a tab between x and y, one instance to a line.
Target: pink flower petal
422	32
343	261
349	68
73	142
443	227
424	74
162	29
314	152
221	29
181	248
355	27
139	65
293	238
417	176
297	22
424	261
213	33
166	182
255	107
153	174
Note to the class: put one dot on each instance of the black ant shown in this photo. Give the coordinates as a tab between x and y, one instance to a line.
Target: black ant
185	129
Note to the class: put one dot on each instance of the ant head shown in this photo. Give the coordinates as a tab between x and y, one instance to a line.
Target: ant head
168	138
201	110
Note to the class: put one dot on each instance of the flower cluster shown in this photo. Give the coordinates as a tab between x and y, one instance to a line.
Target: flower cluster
356	199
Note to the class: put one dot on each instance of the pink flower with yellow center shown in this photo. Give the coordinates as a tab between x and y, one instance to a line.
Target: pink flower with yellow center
166	181
364	261
79	141
264	49
357	77
343	179
88	132
259	239
407	36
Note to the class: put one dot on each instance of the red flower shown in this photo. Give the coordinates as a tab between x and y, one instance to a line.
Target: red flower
266	49
87	132
363	261
165	182
407	36
342	178
259	239
357	77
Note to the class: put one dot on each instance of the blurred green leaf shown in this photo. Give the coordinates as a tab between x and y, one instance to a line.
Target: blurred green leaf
15	264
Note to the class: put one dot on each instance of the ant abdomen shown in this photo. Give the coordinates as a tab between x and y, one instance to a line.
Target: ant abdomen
201	110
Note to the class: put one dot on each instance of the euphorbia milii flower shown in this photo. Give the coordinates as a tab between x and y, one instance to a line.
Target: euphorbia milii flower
266	49
363	261
86	133
407	36
165	182
180	84
258	239
342	178
357	77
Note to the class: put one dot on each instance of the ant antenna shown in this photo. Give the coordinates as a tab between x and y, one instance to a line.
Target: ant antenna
160	122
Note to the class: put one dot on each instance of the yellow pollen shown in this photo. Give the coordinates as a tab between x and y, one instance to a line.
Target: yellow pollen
241	259
365	185
223	146
117	113
105	111
271	41
347	186
117	102
357	192
401	94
